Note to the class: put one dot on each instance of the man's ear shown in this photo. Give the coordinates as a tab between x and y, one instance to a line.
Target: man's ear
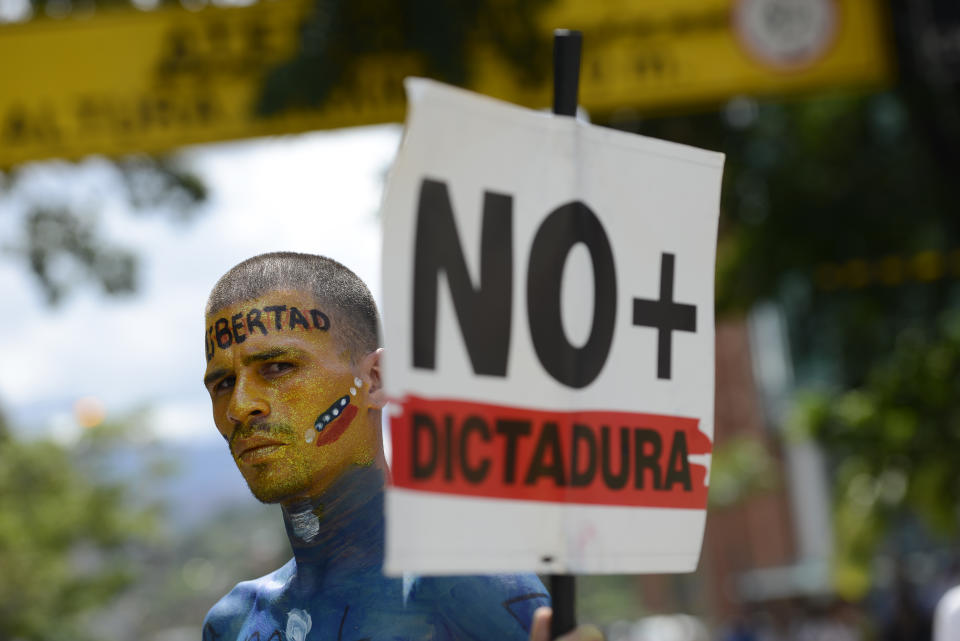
369	370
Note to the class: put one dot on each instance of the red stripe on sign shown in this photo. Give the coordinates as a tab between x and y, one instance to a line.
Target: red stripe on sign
601	458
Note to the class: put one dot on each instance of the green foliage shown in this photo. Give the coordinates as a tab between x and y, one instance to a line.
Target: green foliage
199	567
66	538
895	439
607	597
740	467
340	32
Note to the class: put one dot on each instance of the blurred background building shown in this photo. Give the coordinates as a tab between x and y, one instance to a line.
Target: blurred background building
834	478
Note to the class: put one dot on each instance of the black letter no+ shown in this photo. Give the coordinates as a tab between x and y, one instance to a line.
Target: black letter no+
563	228
666	315
483	312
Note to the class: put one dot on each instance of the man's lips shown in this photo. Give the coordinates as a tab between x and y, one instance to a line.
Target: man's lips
255	450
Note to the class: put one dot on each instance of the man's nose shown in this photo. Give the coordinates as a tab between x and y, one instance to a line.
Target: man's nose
246	402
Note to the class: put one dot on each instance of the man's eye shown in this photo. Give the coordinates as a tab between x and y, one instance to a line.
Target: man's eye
275	369
224	384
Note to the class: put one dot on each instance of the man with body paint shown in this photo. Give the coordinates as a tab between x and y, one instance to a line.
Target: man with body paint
293	372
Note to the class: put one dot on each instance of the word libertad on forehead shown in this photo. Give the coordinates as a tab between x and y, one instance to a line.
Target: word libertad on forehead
225	332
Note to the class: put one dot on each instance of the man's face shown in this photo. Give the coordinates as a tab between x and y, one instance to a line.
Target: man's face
288	401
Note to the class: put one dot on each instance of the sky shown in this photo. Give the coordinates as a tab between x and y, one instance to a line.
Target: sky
317	193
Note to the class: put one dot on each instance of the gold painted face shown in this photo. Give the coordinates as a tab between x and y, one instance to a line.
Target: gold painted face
293	409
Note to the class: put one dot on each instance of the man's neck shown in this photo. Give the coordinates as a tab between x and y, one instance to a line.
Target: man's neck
343	527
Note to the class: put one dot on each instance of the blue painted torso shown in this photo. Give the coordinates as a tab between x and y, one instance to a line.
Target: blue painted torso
333	588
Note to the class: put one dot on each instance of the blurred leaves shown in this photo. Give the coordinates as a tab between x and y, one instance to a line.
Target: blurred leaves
895	440
340	32
161	184
61	240
58	241
740	467
66	537
608	597
200	566
89	550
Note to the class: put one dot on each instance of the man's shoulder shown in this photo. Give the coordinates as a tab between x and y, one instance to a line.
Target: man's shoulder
228	614
503	604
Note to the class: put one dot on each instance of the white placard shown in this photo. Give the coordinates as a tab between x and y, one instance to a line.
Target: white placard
549	333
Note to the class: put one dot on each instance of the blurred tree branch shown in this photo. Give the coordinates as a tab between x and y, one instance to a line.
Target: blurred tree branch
61	242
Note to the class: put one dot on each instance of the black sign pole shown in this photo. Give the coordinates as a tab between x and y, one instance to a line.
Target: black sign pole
566	82
566	71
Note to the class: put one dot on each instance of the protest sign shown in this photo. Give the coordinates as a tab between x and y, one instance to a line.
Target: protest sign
548	313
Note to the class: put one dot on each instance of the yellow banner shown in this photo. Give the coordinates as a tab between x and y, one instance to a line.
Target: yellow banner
126	81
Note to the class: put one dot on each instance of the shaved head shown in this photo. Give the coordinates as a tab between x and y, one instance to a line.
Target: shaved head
334	286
